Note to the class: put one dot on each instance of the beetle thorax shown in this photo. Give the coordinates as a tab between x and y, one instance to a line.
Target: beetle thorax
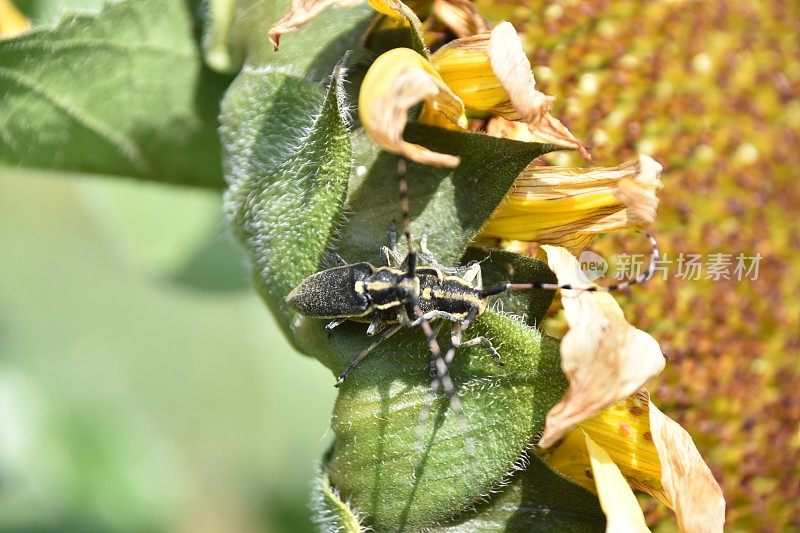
388	288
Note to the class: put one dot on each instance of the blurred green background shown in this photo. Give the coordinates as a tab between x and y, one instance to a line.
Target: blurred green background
143	386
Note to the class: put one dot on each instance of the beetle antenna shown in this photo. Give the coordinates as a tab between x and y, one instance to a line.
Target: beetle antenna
638	280
405	212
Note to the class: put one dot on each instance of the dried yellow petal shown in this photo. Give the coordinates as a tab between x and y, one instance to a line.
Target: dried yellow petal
512	68
588	463
301	13
569	206
604	358
460	16
654	454
695	495
12	22
509	129
491	73
397	81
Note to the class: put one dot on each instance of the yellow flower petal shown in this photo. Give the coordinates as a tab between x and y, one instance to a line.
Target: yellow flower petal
589	464
460	16
492	75
393	9
571	459
301	13
695	495
619	504
12	22
623	430
509	129
569	206
654	454
397	81
464	65
604	358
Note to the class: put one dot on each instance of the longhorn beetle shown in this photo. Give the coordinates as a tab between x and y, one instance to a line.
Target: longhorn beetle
403	294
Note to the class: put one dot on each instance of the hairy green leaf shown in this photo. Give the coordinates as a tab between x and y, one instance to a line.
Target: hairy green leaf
287	159
537	499
331	514
122	92
374	465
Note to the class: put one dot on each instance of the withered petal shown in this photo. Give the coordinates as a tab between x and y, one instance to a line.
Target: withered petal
604	358
688	482
397	81
300	13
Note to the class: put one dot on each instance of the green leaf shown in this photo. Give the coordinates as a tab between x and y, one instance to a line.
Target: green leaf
313	50
49	11
123	92
537	499
287	157
377	411
331	514
453	203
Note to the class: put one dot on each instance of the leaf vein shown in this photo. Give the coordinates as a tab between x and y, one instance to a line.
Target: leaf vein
49	46
124	144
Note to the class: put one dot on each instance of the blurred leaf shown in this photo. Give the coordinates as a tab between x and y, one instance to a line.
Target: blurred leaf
287	160
150	109
153	227
49	11
215	265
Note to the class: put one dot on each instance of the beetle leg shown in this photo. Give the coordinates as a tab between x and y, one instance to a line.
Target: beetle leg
429	258
333	259
440	366
386	257
390	258
489	347
372	329
473	273
364	353
332	324
432	315
393	237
